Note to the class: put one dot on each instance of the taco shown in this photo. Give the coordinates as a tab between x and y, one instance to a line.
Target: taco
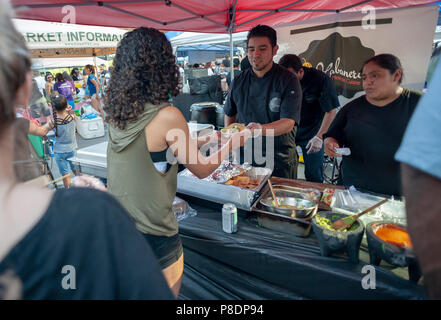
233	128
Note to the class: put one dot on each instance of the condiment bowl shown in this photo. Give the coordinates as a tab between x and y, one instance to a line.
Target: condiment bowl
393	254
333	241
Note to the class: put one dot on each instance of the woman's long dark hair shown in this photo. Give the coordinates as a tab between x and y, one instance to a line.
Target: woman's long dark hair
144	71
59	103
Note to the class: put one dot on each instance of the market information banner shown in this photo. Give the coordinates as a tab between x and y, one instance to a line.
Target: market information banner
339	44
51	35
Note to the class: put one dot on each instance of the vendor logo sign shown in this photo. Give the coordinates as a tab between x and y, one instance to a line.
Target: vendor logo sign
341	58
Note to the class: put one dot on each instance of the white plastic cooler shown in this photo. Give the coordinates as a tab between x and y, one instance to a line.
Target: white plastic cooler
90	128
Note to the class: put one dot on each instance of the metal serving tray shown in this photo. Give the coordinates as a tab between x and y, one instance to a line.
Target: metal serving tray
221	193
274	221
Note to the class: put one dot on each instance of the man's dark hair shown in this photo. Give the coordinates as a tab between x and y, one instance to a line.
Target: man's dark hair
291	61
263	31
236	62
386	61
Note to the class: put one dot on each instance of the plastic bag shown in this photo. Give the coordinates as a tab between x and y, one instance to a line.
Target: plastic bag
92	115
182	210
353	201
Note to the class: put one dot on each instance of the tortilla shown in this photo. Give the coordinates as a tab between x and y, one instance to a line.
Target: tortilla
233	128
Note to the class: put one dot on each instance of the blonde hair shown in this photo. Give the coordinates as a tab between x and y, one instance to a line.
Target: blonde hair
14	65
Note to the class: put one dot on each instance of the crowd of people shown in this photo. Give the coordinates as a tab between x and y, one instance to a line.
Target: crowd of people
134	250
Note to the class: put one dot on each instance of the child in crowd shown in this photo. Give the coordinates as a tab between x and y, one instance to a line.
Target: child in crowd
65	144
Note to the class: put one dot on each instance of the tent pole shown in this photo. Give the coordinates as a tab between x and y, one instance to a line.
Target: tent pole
232	17
231	55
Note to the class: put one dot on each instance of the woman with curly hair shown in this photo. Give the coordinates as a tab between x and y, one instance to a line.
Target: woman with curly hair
144	130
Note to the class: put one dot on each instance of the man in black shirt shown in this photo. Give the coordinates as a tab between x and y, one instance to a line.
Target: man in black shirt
268	98
319	105
236	64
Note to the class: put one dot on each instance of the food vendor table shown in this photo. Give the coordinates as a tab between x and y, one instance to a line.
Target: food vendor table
258	263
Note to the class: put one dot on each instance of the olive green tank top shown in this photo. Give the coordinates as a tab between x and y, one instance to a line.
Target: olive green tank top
132	178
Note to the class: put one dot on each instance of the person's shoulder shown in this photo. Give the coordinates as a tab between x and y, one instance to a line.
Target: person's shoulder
240	77
278	69
87	204
283	77
282	73
315	73
170	116
355	103
412	96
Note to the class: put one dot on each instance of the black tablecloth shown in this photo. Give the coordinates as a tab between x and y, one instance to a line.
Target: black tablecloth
258	263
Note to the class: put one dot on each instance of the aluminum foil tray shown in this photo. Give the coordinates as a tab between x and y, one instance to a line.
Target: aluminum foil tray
221	193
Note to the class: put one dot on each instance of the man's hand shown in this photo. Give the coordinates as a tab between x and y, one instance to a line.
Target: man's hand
88	182
314	145
255	128
239	139
331	145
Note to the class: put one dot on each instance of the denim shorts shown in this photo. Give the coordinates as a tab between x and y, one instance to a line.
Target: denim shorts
62	162
168	250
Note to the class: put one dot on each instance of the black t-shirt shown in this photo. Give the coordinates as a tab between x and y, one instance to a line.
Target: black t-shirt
319	97
90	231
275	96
373	134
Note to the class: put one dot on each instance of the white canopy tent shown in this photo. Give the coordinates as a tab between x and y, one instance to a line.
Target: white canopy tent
49	63
196	38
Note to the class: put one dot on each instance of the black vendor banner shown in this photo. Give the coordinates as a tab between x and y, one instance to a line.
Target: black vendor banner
339	44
